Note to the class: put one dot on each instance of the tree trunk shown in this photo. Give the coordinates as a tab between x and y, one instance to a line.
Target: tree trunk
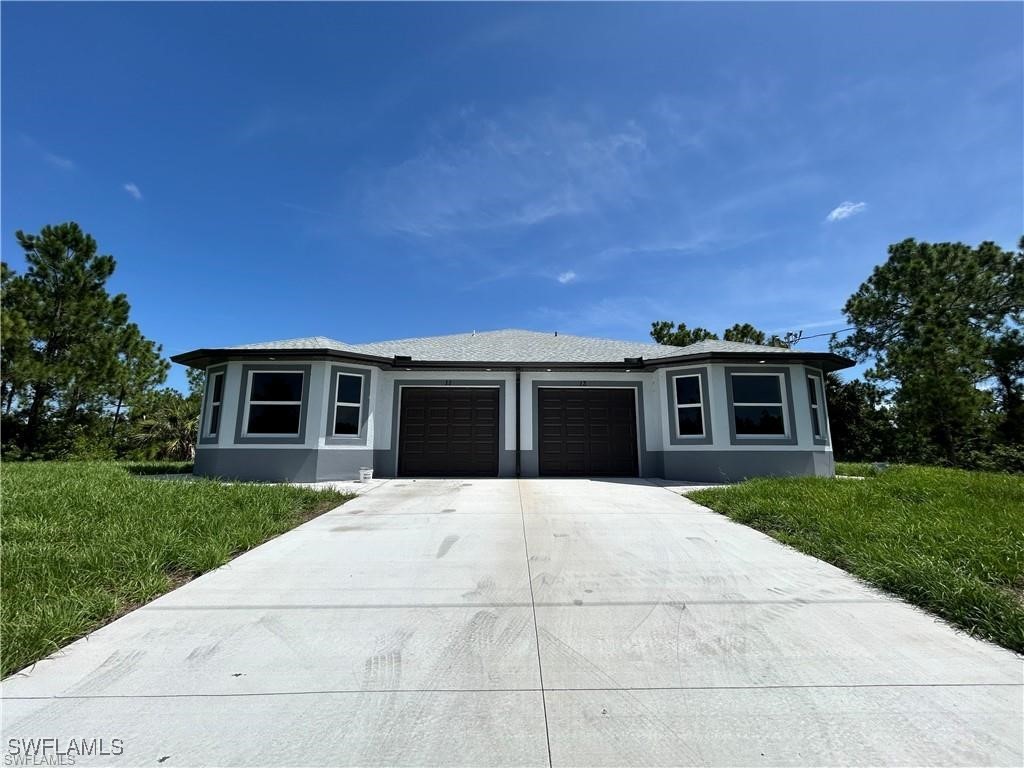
117	414
40	393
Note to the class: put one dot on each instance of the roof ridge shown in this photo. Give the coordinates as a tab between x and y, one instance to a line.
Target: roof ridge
324	340
516	330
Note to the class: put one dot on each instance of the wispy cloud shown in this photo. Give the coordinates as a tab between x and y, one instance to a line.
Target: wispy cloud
626	316
845	210
687	245
518	170
133	190
566	277
51	158
63	163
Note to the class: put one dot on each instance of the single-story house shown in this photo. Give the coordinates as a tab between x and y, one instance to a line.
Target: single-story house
512	403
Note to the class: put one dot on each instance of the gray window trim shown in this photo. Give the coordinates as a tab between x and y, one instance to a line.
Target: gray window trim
787	394
204	438
815	373
636	386
243	403
396	409
332	402
705	401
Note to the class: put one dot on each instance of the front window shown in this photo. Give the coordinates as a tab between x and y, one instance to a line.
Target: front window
689	406
348	404
814	397
757	405
274	403
216	386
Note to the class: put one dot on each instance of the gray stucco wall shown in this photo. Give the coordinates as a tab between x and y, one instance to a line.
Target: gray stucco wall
660	455
297	465
731	466
271	464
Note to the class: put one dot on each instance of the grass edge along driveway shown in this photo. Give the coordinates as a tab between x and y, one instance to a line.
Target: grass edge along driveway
949	541
86	542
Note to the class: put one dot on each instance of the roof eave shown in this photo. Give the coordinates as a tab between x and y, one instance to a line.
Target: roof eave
828	361
203	358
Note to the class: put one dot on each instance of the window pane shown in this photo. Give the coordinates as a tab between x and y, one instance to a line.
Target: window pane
812	390
691	421
350	388
276	386
687	390
346	420
214	419
759	420
273	419
815	422
756	389
218	386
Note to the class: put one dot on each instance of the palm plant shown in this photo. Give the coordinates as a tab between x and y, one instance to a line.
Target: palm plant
168	426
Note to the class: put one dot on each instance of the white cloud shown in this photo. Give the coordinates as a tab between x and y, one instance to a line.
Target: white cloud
59	162
623	317
566	277
133	190
477	174
52	158
845	210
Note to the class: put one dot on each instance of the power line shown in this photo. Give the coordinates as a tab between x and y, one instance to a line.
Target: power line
819	335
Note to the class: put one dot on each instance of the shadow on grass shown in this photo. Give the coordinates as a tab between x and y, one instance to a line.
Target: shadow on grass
158	467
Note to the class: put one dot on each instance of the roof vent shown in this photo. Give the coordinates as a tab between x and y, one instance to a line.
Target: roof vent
556	333
633	360
403	359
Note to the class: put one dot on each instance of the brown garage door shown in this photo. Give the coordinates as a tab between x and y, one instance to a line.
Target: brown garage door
587	432
448	432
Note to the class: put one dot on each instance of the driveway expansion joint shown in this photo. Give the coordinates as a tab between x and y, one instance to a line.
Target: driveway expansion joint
536	631
583	689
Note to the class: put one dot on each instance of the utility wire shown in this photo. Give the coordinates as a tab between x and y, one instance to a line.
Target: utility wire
819	335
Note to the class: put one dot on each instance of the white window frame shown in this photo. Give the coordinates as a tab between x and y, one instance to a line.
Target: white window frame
782	405
698	405
218	404
816	409
338	401
249	402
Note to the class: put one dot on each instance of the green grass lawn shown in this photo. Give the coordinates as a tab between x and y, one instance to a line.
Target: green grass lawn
947	540
83	543
855	469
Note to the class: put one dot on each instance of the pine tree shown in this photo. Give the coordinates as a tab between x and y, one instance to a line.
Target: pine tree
71	351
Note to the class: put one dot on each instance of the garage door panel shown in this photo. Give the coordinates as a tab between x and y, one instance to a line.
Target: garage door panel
587	432
448	432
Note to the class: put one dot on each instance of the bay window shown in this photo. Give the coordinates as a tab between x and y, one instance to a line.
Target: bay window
273	404
348	404
215	387
689	406
816	399
758	407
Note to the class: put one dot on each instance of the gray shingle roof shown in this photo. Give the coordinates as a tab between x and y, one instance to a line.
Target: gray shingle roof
305	342
713	346
512	346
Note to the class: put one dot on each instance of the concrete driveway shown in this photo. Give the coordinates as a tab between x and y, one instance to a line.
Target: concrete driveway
496	622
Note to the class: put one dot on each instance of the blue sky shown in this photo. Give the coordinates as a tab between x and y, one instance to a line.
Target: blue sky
378	171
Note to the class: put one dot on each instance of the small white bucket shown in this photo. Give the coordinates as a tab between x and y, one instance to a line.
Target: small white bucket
365	473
